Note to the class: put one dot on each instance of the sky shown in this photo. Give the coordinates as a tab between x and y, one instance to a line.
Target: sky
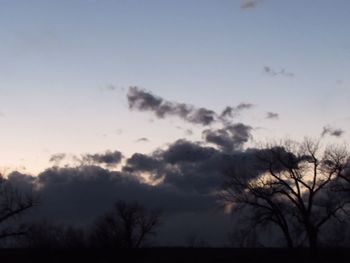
148	100
67	68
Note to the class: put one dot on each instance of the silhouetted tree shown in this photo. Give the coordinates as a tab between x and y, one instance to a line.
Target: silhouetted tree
13	204
44	234
296	189
127	225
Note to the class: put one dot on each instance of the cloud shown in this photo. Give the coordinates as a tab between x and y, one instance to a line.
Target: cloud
190	166
189	175
339	82
233	111
78	195
57	158
188	132
272	115
110	88
329	130
143	139
139	162
271	72
108	158
183	151
142	100
181	167
230	138
249	4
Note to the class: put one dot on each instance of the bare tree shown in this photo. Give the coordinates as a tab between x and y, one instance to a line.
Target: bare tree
128	225
296	189
45	234
13	204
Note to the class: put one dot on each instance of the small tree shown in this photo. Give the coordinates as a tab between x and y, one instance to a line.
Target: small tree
296	188
127	225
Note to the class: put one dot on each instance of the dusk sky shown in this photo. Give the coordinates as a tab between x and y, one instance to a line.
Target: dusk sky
67	68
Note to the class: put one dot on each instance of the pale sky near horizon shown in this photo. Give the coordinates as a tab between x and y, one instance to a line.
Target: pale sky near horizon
59	60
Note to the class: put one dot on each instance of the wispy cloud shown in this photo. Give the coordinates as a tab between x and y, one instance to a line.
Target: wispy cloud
249	4
234	111
188	132
108	88
57	158
272	115
143	139
282	72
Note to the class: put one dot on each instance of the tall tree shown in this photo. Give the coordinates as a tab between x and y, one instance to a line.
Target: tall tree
296	188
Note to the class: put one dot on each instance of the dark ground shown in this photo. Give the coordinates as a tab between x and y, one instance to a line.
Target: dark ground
155	255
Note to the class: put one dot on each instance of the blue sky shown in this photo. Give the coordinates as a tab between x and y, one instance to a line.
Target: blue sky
59	58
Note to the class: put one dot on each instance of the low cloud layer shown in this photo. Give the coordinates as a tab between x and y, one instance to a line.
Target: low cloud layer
188	175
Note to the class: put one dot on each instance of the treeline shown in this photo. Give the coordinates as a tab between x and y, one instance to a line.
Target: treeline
126	225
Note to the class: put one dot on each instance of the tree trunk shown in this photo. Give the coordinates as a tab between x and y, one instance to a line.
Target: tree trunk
312	236
288	238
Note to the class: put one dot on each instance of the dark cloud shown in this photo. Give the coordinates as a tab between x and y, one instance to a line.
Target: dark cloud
233	111
191	173
108	158
142	163
78	195
271	72
272	115
249	4
144	101
181	167
329	130
231	137
185	151
190	166
202	116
